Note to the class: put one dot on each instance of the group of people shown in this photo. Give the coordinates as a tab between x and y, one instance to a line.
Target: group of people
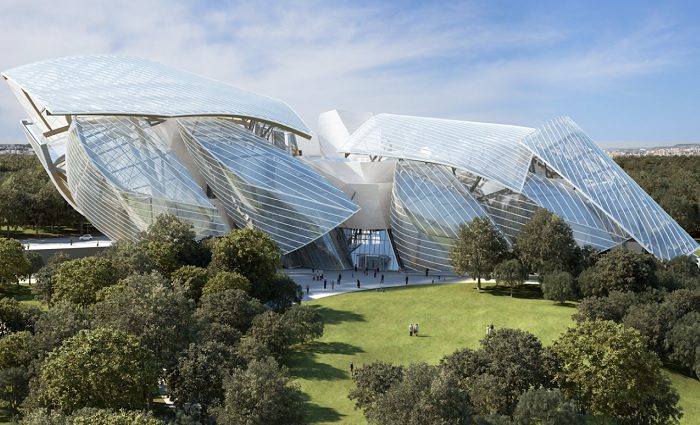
413	329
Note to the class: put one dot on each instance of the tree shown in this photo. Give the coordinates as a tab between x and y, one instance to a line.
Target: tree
193	279
608	370
78	281
303	323
424	395
13	263
261	395
613	307
278	293
128	258
90	416
170	244
234	308
15	316
36	262
478	249
102	368
270	330
541	406
652	321
62	321
372	381
151	309
619	270
197	380
250	252
546	243
510	272
223	281
15	355
43	287
683	341
558	286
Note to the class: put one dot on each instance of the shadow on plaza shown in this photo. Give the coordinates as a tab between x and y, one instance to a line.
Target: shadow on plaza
332	316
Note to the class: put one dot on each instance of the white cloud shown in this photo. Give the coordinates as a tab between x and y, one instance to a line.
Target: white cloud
446	61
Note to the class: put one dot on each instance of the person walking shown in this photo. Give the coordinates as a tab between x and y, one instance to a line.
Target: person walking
382	279
333	284
415	329
307	289
410	329
352	369
324	283
340	276
426	271
406	280
358	283
375	274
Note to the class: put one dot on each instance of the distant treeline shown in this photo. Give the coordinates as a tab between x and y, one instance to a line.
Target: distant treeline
29	199
673	182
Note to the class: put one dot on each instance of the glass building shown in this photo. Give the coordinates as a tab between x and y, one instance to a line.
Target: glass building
125	140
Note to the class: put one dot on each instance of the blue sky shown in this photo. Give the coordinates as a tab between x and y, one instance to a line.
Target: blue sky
627	71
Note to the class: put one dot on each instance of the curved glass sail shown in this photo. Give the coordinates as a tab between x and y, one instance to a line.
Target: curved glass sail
428	205
117	85
263	186
564	147
492	151
132	157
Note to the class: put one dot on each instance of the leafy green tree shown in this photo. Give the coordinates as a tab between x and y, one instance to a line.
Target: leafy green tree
613	307
546	243
148	307
271	330
62	321
279	293
607	369
619	270
197	379
78	281
13	263
223	281
511	272
128	258
103	368
683	341
424	395
36	262
170	244
478	249
15	316
372	381
250	252
652	321
43	287
193	279
110	417
234	308
558	286
15	355
545	407
303	323
261	395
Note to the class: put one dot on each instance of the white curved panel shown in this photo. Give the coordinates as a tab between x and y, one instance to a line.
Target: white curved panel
492	151
115	85
563	146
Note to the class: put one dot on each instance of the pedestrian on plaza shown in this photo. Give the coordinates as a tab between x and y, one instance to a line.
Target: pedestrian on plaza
406	280
71	241
333	284
358	283
382	279
375	274
410	329
355	267
340	276
426	271
352	369
307	289
415	329
324	283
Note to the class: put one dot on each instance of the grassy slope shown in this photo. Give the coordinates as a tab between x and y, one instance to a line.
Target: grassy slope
367	326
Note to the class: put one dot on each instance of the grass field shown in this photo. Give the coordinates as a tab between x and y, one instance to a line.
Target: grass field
366	326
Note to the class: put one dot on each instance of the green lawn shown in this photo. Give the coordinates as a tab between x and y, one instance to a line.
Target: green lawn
366	326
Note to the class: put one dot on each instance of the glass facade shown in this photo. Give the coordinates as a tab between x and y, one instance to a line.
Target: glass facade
263	186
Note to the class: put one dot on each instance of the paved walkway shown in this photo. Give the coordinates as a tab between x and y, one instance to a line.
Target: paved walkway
348	281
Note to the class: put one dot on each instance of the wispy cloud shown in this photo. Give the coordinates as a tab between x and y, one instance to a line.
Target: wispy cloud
451	60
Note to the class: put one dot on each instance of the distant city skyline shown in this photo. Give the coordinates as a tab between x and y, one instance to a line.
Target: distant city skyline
622	70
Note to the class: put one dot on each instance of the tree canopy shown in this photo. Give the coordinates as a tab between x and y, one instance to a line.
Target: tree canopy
479	248
546	243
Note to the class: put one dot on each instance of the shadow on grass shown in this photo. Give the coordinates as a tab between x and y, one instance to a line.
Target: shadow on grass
333	317
302	363
522	291
316	413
